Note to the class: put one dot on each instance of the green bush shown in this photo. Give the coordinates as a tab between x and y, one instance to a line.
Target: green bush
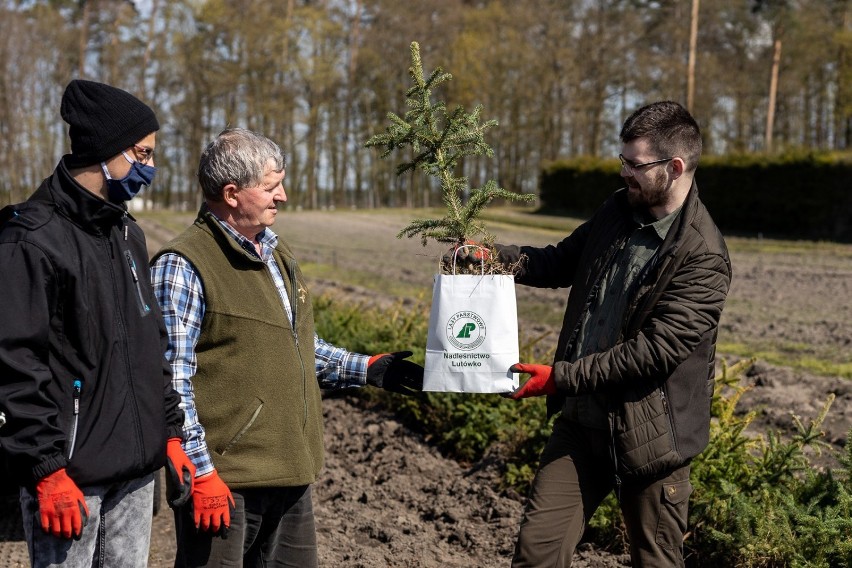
371	330
757	500
794	195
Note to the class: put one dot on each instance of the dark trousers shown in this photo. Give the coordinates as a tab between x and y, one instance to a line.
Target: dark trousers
270	527
575	476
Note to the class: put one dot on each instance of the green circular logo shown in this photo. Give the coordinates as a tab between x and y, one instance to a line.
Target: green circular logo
466	330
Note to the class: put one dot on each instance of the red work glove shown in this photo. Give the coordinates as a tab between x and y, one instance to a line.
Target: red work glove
180	473
61	505
541	381
212	503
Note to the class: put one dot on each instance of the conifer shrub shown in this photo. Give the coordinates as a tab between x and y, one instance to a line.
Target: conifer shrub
758	500
437	141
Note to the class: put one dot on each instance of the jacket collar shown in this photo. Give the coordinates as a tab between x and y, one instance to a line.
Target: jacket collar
77	203
687	215
206	219
685	218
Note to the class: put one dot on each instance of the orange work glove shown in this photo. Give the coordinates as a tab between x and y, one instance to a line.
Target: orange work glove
181	472
61	505
212	503
541	381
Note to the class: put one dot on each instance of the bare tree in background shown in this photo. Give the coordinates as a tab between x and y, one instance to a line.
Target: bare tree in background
693	48
319	75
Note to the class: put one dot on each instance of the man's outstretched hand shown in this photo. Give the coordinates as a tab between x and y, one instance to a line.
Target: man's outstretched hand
390	371
540	383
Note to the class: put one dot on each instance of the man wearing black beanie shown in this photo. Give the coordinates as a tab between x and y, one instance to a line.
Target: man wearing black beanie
87	393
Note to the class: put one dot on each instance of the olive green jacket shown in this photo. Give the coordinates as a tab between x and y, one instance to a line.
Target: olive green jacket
659	377
256	391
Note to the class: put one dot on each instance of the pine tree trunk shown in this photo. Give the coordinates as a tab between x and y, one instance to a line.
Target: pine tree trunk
773	90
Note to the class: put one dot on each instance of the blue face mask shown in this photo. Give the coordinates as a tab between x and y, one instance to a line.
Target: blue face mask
124	189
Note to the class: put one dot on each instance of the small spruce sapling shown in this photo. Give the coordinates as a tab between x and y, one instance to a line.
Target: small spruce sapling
439	140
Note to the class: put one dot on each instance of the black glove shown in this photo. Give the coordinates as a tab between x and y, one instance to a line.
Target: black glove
393	373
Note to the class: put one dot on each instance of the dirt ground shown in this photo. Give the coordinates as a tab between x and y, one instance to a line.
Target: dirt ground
387	498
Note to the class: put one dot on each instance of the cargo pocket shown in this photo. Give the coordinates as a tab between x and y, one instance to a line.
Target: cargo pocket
674	512
247	424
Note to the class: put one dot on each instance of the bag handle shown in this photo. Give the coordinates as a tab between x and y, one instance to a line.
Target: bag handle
481	260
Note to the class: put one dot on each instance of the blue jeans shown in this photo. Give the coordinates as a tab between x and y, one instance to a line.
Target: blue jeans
118	532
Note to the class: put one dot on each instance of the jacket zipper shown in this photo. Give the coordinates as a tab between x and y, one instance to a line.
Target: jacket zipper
144	308
614	455
122	324
291	268
664	399
243	430
78	387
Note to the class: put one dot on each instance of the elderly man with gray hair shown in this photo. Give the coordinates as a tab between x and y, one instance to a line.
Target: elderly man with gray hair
249	366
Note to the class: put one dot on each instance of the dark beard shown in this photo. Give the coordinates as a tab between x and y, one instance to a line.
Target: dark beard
653	194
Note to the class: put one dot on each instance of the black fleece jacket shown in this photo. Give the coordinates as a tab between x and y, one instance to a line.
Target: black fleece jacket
76	306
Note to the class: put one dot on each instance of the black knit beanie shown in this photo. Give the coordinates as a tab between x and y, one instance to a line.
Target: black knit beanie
103	121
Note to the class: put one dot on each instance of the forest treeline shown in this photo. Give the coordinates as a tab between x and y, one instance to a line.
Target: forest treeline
320	76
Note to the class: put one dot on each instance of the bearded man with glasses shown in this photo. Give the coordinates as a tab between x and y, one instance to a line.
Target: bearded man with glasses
632	378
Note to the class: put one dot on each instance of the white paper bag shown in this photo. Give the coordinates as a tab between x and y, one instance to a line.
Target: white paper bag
473	334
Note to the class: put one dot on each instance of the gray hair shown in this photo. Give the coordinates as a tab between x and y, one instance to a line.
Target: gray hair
236	156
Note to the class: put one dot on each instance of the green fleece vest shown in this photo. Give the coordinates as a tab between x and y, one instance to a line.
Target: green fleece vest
256	390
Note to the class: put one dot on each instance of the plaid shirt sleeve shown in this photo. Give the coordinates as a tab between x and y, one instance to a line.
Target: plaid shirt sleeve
180	295
338	368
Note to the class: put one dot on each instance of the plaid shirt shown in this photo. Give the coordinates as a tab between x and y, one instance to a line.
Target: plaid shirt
181	298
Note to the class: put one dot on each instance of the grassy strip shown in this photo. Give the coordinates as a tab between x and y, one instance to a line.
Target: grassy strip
801	248
364	279
528	218
789	358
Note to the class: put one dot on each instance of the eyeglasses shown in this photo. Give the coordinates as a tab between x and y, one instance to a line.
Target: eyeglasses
143	154
625	163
